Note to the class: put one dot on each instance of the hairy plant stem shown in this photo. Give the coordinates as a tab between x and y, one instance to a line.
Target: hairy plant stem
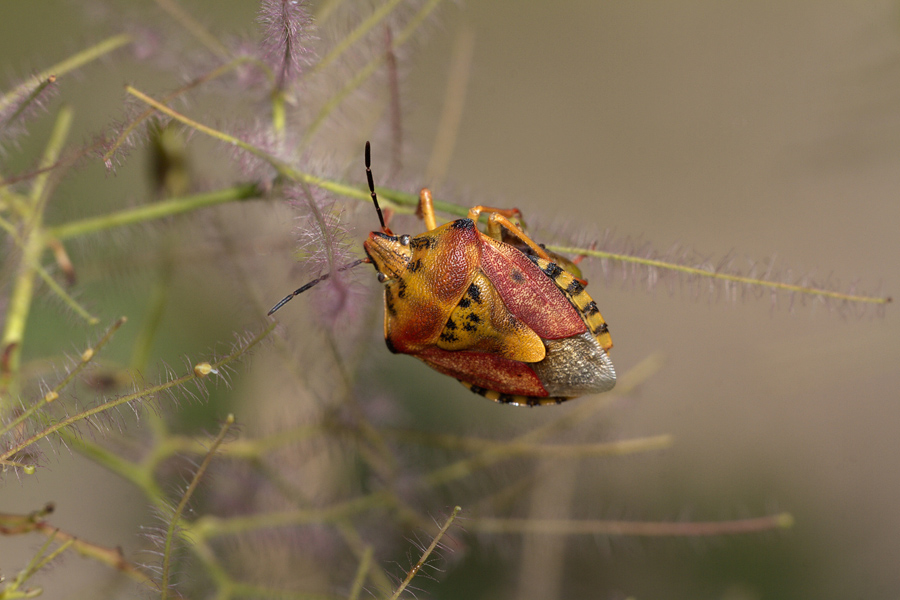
75	61
32	248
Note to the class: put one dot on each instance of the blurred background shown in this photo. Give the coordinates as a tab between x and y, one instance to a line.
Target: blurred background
747	132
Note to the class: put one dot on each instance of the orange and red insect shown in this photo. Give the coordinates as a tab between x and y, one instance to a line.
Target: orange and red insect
505	319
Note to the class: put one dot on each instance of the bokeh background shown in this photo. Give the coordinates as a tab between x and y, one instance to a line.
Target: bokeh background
745	131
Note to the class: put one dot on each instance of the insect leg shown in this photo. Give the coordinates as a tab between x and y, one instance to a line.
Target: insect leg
425	210
498	220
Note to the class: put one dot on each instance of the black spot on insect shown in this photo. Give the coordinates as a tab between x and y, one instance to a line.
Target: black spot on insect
422	243
390	345
473	318
507	399
451	324
449	337
553	270
591	309
478	390
474	293
389	303
464	303
462	224
574	288
469	327
414	265
401	289
517	276
603	328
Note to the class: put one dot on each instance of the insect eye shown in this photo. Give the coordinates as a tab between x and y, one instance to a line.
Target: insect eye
404	240
382	278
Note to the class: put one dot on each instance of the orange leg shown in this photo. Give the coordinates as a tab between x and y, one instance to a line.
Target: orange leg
476	211
425	210
499	218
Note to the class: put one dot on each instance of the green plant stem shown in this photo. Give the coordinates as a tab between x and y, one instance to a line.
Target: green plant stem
150	212
208	527
48	279
52	395
631	528
32	249
31	97
424	558
141	475
65	296
410	200
61	68
212	75
660	264
368	70
156	307
605	449
354	36
151	391
112	557
283	168
362	572
185	498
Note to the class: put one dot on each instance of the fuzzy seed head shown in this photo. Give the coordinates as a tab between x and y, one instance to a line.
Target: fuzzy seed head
287	27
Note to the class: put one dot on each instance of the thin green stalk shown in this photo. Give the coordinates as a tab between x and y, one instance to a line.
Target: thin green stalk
283	168
631	528
150	391
63	295
208	527
451	114
491	455
185	498
48	279
150	212
424	558
660	264
35	93
141	475
38	562
70	64
362	572
33	522
354	36
23	287
50	557
512	449
411	200
212	75
368	70
53	394
156	307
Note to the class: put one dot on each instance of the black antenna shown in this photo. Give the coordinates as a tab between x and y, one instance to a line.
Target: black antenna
372	186
384	228
299	291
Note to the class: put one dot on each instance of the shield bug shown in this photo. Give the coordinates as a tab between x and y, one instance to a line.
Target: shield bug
493	309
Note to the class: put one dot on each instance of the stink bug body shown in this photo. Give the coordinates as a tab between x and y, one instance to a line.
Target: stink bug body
505	319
